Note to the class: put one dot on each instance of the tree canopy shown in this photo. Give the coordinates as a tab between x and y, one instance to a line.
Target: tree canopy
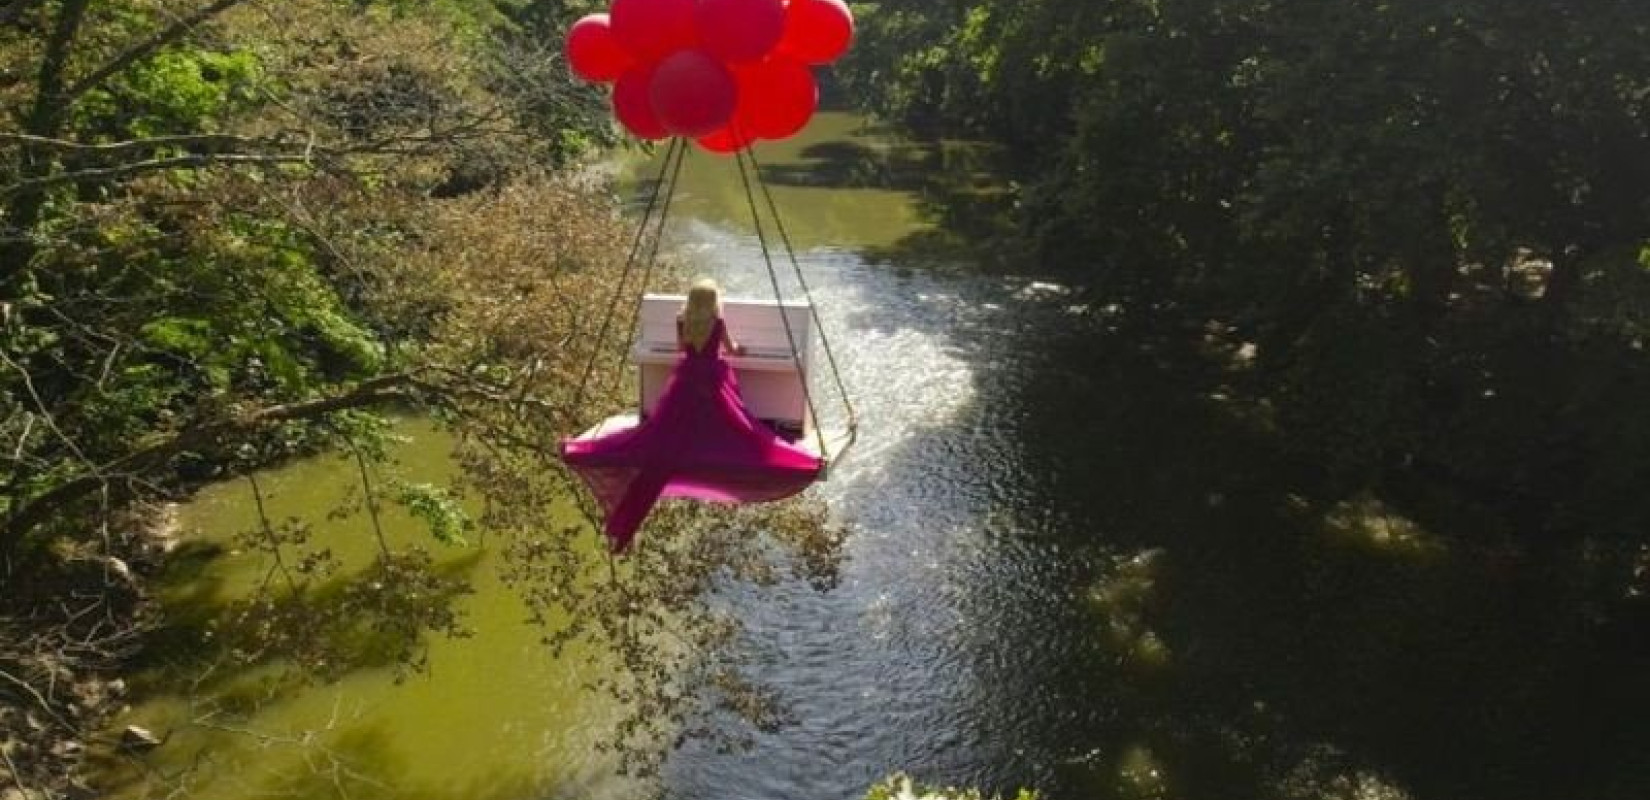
1428	221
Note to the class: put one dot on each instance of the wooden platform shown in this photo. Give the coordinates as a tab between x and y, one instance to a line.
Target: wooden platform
836	442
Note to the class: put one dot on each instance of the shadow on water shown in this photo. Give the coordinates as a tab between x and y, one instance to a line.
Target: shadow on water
1162	605
350	622
223	659
381	678
1261	645
956	187
958	203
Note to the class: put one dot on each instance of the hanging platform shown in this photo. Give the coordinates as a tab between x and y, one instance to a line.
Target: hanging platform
771	378
737	428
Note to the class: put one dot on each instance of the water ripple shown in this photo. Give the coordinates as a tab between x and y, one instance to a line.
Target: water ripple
932	652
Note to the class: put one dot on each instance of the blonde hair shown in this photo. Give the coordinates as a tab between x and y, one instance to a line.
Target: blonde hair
700	312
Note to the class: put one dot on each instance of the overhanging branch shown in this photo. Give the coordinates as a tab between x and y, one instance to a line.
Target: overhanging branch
192	161
211	142
377	391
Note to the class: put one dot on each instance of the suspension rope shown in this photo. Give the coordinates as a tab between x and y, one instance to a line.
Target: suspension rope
779	297
664	189
813	308
658	240
673	153
624	278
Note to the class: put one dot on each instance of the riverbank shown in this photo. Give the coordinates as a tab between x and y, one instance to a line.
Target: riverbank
72	624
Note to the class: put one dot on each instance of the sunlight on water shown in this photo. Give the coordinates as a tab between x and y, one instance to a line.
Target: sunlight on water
901	375
1365	521
1323	775
927	656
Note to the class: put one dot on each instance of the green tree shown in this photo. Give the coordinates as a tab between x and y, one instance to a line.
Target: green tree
1421	213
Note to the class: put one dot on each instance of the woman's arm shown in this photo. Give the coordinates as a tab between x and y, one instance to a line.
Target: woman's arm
729	345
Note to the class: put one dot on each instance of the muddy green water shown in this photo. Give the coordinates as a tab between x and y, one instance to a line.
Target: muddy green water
1066	569
464	729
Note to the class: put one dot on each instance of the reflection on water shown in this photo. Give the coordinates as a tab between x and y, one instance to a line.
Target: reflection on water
492	718
1071	566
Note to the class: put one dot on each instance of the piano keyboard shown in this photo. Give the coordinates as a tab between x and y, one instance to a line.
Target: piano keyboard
765	354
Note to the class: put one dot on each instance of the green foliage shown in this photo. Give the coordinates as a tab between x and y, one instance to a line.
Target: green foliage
175	92
187	337
1406	207
213	232
438	507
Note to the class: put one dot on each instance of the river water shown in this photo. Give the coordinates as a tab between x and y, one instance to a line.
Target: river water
1064	570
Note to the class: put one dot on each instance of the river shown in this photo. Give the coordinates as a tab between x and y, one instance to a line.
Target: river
1065	569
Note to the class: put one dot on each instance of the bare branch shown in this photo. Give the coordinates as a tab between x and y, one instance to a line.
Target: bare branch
373	392
155	165
371	497
267	528
45	412
16	774
196	141
311	154
39	699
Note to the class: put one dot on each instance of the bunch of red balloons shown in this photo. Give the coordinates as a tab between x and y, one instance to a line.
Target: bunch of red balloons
724	73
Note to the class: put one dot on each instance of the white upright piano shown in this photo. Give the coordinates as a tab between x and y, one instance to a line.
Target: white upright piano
769	377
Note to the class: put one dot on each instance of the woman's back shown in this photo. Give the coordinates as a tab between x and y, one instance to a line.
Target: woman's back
712	344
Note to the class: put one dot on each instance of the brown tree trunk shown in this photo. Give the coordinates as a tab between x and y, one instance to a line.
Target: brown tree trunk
45	119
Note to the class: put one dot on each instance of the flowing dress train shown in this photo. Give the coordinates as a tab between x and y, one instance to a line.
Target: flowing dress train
700	443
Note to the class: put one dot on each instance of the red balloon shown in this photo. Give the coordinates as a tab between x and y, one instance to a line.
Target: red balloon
592	51
740	30
634	108
725	141
817	31
653	29
693	94
777	97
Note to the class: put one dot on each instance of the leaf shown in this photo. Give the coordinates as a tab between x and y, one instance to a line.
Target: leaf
184	335
437	507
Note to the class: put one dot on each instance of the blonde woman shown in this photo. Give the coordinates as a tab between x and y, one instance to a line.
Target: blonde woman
700	316
699	443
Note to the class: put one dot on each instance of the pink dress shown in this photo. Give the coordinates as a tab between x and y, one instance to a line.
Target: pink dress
700	443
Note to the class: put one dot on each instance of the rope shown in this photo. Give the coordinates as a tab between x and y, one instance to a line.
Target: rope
629	266
665	184
778	296
813	308
658	240
674	153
